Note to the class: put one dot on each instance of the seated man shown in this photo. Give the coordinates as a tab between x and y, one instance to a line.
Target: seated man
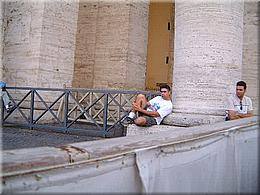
239	105
151	112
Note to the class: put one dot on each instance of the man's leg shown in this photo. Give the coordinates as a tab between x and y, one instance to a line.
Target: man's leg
6	101
141	101
140	121
5	98
146	121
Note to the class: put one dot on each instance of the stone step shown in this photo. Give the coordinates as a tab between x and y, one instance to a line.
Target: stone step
137	130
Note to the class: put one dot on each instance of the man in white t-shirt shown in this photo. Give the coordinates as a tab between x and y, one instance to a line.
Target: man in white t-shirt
151	112
239	105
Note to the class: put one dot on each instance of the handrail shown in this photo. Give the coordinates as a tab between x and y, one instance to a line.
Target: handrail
69	109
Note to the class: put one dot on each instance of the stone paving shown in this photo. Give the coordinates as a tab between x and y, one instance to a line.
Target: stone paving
16	138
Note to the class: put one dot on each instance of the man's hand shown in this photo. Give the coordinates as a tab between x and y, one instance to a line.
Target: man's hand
136	107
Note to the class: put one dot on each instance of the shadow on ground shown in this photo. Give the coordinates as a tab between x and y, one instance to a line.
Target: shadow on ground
14	137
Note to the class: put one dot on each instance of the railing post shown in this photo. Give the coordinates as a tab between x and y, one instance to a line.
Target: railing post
32	109
105	113
2	109
66	108
77	98
90	102
119	108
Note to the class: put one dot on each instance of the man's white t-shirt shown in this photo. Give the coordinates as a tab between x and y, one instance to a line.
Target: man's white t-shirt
234	104
162	106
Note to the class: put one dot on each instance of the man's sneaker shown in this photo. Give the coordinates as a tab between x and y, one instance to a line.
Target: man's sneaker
127	121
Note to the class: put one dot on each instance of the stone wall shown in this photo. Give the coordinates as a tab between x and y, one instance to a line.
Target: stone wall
111	45
39	41
251	51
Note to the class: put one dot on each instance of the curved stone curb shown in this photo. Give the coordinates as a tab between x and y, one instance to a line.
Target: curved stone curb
136	130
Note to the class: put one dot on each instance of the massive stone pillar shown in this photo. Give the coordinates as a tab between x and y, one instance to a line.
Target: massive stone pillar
85	44
1	40
111	44
22	35
57	49
39	42
251	51
207	58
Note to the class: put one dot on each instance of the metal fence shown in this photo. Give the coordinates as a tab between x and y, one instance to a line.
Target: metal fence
96	112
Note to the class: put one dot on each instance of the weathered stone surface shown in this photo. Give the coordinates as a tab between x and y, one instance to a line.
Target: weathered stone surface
207	55
1	40
39	42
111	45
85	44
22	35
251	51
137	45
189	120
137	130
58	43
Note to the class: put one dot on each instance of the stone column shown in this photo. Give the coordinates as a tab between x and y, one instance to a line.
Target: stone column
207	58
58	39
111	44
251	51
85	44
1	55
121	41
39	42
1	40
22	35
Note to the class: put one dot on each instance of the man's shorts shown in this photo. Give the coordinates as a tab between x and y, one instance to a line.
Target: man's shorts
149	121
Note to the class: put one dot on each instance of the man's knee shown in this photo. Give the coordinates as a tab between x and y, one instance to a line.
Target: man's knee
140	96
141	121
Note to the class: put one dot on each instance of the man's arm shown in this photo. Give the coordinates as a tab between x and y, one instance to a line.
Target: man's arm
249	114
234	115
136	107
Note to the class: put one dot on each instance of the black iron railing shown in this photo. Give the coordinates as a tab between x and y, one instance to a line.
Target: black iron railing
95	112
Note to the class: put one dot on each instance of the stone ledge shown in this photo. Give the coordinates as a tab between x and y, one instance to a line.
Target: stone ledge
137	130
189	120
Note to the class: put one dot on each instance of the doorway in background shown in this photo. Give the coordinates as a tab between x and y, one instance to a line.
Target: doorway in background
160	45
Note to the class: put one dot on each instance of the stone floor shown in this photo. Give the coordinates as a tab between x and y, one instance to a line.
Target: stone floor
15	138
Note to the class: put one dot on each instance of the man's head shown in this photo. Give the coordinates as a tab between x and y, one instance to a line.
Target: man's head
240	89
165	91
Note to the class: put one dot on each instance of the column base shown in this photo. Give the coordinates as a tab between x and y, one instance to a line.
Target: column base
188	120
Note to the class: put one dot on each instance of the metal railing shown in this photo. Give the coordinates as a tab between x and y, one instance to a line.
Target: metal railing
96	112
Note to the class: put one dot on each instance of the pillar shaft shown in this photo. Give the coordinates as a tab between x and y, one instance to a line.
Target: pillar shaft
207	55
111	45
1	40
39	42
251	51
